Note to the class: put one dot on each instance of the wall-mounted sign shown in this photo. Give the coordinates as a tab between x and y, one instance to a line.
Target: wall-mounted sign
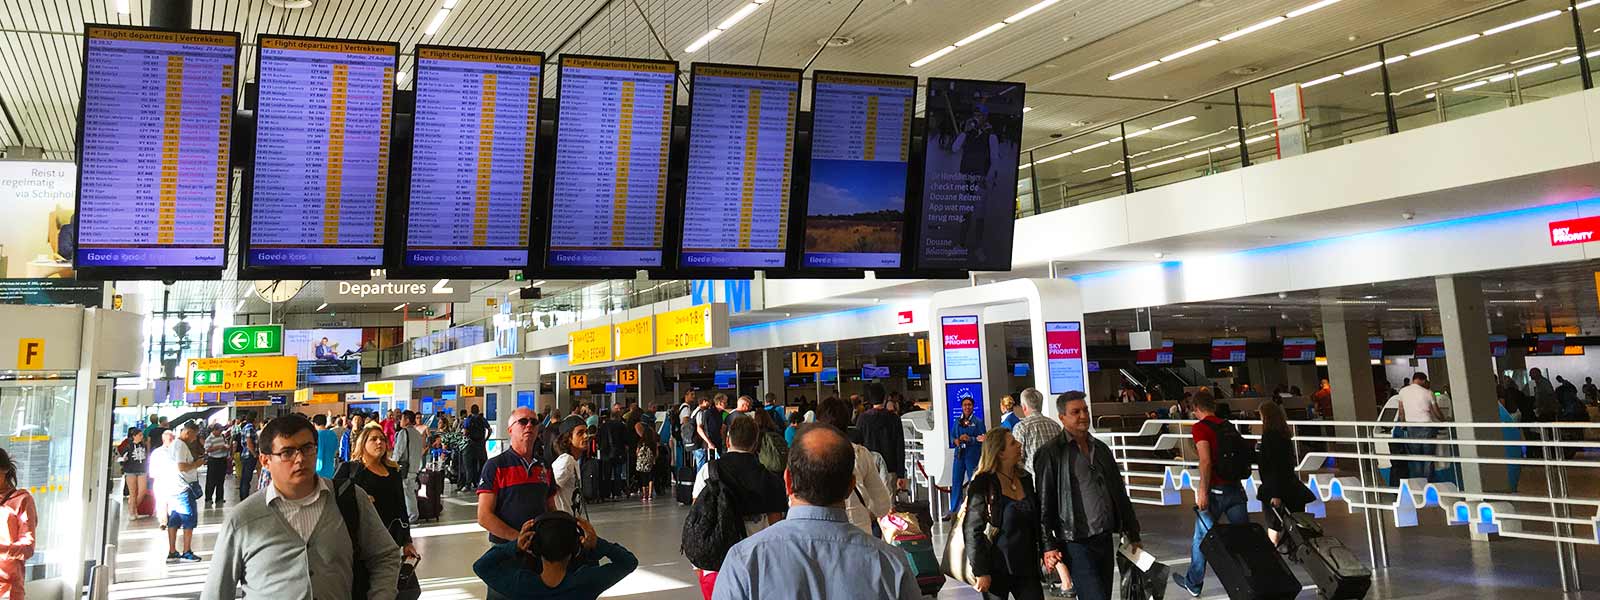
490	373
636	338
30	354
693	328
379	389
421	291
592	345
963	358
1375	348
252	340
1574	231
51	291
468	391
1299	349
628	376
1064	355
807	362
261	373
577	381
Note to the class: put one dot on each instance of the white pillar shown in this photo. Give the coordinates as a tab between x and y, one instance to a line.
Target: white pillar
772	375
1471	380
1349	367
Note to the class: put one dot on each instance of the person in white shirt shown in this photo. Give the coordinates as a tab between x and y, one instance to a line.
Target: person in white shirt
177	485
218	449
1417	406
573	443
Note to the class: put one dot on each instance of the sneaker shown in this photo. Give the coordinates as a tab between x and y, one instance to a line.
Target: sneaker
1183	582
189	557
172	557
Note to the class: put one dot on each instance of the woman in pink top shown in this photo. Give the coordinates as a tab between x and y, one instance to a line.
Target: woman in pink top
17	520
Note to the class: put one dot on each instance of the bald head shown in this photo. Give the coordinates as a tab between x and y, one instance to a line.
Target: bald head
523	426
821	469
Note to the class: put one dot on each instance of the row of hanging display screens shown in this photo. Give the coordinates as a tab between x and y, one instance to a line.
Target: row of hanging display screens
345	175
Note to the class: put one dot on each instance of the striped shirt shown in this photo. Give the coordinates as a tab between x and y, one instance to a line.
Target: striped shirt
1033	433
301	514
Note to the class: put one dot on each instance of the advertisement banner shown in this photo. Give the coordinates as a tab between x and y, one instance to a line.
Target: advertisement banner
954	394
51	291
39	226
969	187
326	355
963	357
1064	356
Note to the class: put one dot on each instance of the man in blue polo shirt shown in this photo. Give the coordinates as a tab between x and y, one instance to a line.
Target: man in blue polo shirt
516	487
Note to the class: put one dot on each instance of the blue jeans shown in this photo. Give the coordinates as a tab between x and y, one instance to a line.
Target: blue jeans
247	473
1226	501
962	471
1420	468
701	457
1091	563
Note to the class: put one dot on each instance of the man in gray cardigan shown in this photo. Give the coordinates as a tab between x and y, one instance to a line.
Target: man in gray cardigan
289	540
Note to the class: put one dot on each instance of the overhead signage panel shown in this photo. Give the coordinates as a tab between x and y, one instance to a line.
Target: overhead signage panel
860	152
694	328
384	291
969	183
51	291
592	345
255	374
491	373
252	340
636	338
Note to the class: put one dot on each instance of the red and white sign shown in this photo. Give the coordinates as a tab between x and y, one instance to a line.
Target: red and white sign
1064	355
1299	349
906	317
1429	346
1155	356
1498	345
1574	231
1550	344
962	355
1227	350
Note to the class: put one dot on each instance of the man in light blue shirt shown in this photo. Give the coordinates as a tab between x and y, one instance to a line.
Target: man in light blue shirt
815	553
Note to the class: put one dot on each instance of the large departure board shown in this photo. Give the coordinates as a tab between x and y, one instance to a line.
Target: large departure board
609	199
477	121
860	146
320	183
969	183
153	180
741	154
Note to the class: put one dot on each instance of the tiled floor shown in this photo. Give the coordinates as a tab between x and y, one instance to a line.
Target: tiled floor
1432	561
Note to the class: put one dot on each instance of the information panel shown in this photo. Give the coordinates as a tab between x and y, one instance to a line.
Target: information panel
969	183
153	181
1064	355
1227	350
1429	346
1161	355
472	164
963	357
741	154
955	394
610	194
1498	344
1375	348
1299	349
320	183
860	145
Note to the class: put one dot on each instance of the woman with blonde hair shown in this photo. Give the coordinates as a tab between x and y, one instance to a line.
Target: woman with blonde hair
1001	496
371	468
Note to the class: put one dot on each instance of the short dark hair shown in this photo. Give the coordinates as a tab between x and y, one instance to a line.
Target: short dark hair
821	465
1203	400
1063	399
288	425
474	409
876	393
409	416
743	434
1424	376
556	537
319	420
796	418
833	411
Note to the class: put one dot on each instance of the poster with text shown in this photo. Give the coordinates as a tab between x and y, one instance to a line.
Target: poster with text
39	224
1064	355
326	355
969	185
963	357
954	394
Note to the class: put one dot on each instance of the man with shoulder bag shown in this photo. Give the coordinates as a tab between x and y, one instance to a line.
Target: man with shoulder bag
408	450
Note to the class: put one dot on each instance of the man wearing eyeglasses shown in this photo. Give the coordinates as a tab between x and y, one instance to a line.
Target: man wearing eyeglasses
300	537
516	486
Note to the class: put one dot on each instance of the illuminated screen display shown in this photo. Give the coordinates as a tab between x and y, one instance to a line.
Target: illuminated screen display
321	177
473	159
1429	346
860	145
1155	356
153	180
969	184
610	195
963	355
1227	350
1064	355
1299	349
741	156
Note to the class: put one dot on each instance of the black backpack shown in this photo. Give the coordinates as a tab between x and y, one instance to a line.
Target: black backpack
687	431
345	497
713	525
1234	454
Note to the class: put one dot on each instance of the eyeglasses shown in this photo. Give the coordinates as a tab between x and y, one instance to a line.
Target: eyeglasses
525	421
297	452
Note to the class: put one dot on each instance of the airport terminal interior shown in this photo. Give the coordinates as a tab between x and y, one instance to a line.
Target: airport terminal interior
1358	230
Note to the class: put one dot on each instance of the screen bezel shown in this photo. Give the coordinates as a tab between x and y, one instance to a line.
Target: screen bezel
915	254
797	267
247	197
128	273
402	203
680	201
605	272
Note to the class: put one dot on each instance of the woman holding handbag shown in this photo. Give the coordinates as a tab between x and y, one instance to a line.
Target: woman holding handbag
1001	522
371	468
1280	487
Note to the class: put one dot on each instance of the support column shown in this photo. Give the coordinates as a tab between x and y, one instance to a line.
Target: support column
1303	376
649	383
563	394
996	375
1349	367
772	375
1471	379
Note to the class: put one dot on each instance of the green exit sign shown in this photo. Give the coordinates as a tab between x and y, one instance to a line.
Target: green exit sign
252	340
199	378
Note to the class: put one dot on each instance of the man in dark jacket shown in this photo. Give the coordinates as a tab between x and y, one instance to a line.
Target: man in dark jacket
881	432
616	450
1082	502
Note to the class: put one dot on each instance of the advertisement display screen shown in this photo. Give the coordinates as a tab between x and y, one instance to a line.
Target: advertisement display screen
969	183
1498	345
860	149
320	183
1064	355
724	379
1429	346
1299	349
1155	356
963	358
477	124
1375	347
153	179
1227	350
1551	344
609	200
954	394
741	158
325	355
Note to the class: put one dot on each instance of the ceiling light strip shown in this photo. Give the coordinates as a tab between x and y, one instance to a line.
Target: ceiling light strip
439	17
1528	21
745	11
1227	37
982	33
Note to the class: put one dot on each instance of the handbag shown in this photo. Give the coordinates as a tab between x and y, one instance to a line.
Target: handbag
408	587
954	559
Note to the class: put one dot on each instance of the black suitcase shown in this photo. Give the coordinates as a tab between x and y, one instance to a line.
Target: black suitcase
683	484
589	483
1246	562
1339	575
430	489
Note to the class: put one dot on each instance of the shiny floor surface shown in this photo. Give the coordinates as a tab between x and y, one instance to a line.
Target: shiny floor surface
1431	561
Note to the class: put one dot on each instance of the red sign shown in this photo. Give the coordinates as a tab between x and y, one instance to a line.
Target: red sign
906	317
1300	349
960	333
1062	341
1498	345
1574	231
1550	344
1155	356
1227	350
1429	346
962	357
1375	348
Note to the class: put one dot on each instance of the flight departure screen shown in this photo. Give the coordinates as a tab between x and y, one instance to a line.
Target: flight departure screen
860	144
477	120
322	153
969	184
610	192
741	150
153	177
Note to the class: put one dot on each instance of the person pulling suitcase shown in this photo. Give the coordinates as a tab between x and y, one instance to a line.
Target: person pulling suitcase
1225	460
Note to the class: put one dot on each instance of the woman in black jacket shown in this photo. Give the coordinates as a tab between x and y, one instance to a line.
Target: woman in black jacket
1280	486
371	468
1001	496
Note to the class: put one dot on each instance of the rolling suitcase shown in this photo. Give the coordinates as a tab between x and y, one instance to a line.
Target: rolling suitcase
1339	575
1248	565
589	483
683	485
430	491
924	563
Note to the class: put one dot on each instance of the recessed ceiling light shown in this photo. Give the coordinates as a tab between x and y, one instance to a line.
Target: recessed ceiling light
836	41
1080	123
291	4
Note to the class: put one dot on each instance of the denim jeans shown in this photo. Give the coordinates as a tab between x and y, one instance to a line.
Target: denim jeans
1091	562
701	457
1226	501
1420	468
247	474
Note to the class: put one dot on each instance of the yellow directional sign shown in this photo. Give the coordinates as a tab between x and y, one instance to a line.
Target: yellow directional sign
628	376
577	381
808	362
636	338
693	328
260	373
491	373
590	345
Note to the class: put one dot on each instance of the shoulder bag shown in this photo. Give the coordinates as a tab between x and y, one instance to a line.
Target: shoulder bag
955	560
